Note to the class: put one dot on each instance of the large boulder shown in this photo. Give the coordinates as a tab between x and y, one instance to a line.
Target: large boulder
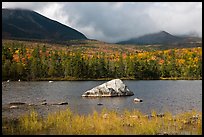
111	88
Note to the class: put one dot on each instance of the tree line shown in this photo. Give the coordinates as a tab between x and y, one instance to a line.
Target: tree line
20	62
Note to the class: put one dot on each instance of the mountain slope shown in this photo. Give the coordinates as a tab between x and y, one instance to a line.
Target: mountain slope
155	38
26	24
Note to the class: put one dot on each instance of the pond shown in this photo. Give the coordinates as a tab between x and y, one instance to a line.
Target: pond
174	96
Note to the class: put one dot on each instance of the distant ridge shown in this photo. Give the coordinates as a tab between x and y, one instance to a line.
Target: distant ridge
161	37
27	24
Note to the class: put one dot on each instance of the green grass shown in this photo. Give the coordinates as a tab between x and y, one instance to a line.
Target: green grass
105	122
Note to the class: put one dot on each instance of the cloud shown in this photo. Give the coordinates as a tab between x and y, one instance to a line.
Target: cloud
25	5
117	21
178	18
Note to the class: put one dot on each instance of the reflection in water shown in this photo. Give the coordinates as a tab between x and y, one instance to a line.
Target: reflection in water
173	96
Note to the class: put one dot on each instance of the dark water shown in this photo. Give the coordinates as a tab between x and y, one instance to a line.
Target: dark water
159	95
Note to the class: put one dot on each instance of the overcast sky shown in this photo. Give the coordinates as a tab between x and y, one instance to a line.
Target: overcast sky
117	21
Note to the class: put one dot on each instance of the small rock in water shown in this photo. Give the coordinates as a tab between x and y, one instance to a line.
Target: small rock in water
160	115
13	106
99	104
17	103
50	81
137	100
61	103
44	103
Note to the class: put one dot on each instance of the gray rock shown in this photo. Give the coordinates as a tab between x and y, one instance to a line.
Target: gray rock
99	104
13	106
44	103
160	115
17	103
105	116
61	103
137	100
111	88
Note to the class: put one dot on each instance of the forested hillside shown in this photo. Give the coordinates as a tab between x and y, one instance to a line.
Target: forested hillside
24	24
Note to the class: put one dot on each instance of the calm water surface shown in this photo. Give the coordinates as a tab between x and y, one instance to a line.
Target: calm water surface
160	95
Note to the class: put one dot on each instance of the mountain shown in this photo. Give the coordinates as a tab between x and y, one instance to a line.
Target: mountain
30	25
161	37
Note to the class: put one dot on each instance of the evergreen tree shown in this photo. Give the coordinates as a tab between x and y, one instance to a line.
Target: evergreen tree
13	73
34	68
121	66
6	72
130	67
20	70
102	66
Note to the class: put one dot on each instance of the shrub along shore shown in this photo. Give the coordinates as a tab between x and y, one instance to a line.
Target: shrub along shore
106	122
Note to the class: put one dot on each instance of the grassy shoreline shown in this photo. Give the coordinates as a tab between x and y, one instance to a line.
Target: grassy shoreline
106	122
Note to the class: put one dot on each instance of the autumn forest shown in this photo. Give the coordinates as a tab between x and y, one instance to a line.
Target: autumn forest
97	60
